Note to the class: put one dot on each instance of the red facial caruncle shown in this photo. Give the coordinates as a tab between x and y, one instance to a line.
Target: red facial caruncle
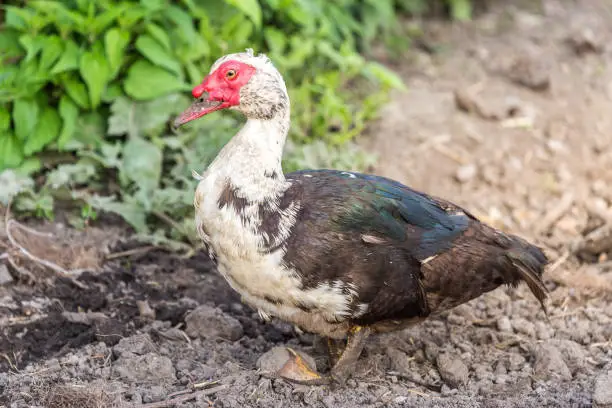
223	88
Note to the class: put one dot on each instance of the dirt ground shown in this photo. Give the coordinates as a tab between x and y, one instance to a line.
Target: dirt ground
508	116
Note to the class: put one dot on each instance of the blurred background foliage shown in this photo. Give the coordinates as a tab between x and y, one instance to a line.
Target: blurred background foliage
88	88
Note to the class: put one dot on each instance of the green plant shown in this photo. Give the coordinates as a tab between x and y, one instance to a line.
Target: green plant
88	88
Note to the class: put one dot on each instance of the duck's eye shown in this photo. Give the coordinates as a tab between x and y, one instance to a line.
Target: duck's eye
231	74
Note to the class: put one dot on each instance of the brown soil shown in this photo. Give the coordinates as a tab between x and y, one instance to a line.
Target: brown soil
510	118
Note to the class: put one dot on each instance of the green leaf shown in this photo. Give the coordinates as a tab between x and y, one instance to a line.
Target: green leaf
77	91
68	175
384	75
183	22
12	183
39	205
69	59
89	131
5	119
113	91
130	210
250	8
18	18
9	44
46	131
156	53
105	18
115	42
29	166
276	40
194	74
461	9
11	155
142	164
69	113
136	118
94	71
160	35
153	5
50	53
32	45
146	81
25	117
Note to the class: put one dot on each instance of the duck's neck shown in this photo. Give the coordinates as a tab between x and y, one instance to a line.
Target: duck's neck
252	159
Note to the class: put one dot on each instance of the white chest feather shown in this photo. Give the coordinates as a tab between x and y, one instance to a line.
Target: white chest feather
237	199
260	276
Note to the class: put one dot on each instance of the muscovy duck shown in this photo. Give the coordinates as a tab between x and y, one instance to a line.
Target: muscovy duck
336	253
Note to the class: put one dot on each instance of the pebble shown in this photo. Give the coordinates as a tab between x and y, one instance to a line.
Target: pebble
148	368
573	354
153	394
602	393
524	326
587	41
145	310
399	360
211	322
543	331
465	173
431	351
515	361
452	370
530	72
5	275
504	325
138	344
549	363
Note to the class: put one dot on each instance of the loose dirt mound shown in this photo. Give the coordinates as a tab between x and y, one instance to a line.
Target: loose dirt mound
510	119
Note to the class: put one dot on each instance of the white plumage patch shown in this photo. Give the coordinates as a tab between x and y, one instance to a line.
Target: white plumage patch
240	248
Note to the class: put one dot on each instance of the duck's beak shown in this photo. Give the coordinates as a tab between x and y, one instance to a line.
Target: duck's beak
202	106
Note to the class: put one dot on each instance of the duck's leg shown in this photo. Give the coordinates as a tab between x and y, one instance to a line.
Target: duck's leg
297	370
335	348
358	335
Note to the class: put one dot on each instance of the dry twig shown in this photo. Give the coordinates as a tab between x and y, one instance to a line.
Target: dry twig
8	224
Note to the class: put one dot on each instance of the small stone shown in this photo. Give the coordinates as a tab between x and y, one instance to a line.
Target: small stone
602	393
549	363
154	394
183	365
210	322
148	368
543	331
500	368
524	326
465	173
399	360
452	370
431	351
515	361
145	310
275	358
138	344
586	41
5	275
573	354
482	372
530	72
447	391
504	325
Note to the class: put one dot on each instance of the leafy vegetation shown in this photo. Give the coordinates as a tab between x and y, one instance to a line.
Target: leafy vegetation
88	88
